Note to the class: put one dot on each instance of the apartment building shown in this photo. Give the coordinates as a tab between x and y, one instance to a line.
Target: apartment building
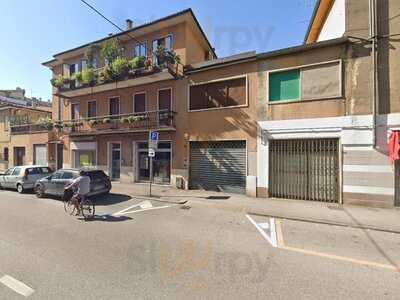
202	107
329	105
18	144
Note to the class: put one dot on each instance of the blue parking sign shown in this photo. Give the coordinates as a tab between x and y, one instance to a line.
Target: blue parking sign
154	136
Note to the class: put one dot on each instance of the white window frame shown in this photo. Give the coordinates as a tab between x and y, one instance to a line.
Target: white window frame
219	80
145	100
140	44
109	150
301	99
79	110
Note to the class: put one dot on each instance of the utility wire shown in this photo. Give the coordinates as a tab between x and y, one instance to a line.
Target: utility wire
109	21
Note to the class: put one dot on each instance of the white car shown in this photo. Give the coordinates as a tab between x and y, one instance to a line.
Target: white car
23	178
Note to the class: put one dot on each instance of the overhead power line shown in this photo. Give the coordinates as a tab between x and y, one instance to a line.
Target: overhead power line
108	20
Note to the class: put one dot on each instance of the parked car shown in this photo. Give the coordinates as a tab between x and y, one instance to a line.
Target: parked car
53	185
23	178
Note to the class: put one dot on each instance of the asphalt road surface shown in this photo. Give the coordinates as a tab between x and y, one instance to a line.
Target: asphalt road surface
139	249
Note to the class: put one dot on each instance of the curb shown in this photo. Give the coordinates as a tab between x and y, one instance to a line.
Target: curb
325	222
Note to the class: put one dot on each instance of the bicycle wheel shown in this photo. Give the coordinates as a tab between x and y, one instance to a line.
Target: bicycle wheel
69	207
87	208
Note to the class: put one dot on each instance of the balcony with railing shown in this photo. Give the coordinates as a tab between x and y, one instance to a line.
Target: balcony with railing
162	120
121	74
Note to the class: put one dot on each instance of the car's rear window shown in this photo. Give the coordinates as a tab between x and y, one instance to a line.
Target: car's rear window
32	171
96	174
44	170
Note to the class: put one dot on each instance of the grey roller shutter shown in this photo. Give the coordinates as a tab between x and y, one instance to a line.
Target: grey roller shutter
218	166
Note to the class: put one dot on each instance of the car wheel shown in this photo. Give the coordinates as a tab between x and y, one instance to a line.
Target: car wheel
39	191
20	188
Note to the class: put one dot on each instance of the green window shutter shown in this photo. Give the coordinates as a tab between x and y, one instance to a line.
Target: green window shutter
284	85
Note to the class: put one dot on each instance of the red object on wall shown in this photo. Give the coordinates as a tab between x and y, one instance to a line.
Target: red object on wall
394	146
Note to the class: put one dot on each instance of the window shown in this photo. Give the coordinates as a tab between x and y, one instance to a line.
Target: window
139	102
114	106
219	94
164	99
9	171
165	42
44	170
16	172
67	175
140	50
322	81
5	154
74	111
57	175
32	171
284	85
92	109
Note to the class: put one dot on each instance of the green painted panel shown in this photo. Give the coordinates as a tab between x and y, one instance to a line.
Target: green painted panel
284	85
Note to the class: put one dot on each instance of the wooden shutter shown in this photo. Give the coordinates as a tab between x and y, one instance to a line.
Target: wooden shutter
164	99
139	104
284	85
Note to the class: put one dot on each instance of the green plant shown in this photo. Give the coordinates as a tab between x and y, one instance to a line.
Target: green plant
88	76
58	125
172	57
93	122
89	54
160	54
78	77
106	121
110	50
59	81
137	62
46	122
120	67
124	120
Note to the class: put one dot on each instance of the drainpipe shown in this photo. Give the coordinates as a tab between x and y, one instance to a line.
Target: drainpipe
375	91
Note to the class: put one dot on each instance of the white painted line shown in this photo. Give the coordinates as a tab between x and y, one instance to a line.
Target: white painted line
140	210
144	205
17	286
264	225
271	239
342	258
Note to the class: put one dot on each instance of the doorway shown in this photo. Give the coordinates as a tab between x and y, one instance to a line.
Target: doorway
19	156
115	161
161	163
60	156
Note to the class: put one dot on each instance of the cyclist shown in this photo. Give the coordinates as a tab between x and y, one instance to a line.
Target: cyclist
81	187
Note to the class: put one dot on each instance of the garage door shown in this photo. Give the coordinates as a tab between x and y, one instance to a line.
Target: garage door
40	155
304	169
218	166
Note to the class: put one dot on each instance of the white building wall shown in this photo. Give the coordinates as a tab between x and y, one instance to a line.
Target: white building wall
335	23
365	170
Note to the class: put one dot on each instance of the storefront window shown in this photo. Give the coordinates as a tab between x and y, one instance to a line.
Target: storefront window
161	163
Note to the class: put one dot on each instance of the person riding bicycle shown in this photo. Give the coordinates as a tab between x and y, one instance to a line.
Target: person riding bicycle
82	189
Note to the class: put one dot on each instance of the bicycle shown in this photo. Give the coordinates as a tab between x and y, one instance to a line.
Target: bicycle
86	206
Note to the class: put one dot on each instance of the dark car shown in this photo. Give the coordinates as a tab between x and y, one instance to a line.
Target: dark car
54	185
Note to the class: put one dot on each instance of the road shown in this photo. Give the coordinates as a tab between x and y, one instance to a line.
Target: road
157	250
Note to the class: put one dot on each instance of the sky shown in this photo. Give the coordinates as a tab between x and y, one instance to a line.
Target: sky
34	30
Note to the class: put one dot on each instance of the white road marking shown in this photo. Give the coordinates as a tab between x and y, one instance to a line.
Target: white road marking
17	286
264	225
143	205
271	239
145	209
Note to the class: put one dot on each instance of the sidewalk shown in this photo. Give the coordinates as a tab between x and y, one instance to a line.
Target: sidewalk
342	215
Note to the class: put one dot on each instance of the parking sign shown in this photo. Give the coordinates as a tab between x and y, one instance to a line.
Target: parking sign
153	140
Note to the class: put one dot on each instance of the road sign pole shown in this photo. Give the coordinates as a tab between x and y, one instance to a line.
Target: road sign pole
151	174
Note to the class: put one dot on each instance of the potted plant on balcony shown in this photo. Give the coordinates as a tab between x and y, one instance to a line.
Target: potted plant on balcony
110	50
120	67
46	123
136	64
106	121
88	77
59	81
58	125
93	122
161	54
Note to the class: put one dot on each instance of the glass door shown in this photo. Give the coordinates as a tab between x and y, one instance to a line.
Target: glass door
115	157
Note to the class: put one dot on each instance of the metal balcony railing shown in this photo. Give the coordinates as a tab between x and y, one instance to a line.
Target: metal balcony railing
160	119
29	128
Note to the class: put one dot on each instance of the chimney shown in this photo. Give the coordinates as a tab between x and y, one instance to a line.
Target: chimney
129	24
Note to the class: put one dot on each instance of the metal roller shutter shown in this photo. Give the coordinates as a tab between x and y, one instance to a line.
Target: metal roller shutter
305	169
218	166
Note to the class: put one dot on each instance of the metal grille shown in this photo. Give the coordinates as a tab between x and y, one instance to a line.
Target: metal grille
218	166
304	169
